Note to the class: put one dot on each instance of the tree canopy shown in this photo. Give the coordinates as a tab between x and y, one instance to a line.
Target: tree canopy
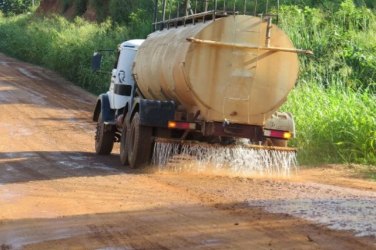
14	7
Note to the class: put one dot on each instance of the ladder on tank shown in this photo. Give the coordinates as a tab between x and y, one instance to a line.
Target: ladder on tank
246	72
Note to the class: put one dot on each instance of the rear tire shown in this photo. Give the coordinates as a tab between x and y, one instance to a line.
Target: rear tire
123	146
104	140
139	143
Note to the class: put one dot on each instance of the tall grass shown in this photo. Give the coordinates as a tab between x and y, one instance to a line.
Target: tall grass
335	102
333	124
61	45
343	42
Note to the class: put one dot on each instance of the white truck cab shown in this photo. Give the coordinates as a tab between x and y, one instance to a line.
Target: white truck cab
122	82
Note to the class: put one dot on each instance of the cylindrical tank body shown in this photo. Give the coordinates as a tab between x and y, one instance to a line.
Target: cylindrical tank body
240	85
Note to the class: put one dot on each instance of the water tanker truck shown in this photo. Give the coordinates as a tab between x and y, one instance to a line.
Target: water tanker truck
212	77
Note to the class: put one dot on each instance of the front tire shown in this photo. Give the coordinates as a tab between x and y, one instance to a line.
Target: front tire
139	143
104	140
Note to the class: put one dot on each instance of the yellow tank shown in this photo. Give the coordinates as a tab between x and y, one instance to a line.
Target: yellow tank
227	69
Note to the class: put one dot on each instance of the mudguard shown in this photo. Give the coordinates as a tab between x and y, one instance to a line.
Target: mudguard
154	113
103	105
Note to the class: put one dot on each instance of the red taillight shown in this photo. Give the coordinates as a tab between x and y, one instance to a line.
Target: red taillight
277	134
181	125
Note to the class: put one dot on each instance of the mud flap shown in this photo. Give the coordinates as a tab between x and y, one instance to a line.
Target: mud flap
103	106
156	113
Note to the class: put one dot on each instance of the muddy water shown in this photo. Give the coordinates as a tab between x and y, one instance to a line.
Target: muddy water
336	207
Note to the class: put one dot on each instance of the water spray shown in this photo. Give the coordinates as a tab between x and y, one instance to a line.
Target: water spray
237	158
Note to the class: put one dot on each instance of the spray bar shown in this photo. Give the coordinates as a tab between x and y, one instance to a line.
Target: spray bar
250	146
241	46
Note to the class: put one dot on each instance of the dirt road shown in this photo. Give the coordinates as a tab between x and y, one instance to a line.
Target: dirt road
56	194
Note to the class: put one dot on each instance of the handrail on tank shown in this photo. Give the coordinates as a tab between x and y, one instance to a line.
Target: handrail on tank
191	11
249	47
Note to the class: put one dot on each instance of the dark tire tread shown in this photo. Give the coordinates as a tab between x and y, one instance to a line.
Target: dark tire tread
139	143
104	140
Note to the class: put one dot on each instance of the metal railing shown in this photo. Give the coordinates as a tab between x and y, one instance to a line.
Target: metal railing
174	13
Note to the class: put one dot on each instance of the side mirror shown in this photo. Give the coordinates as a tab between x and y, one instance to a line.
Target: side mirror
96	61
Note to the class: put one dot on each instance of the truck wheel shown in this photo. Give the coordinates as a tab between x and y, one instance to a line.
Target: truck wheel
139	143
123	146
104	140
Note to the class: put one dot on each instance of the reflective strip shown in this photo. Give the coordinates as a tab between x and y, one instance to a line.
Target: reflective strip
181	125
277	134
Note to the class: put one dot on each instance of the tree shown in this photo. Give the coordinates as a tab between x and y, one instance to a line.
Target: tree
14	7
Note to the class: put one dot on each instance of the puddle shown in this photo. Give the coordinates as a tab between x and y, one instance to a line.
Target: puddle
337	208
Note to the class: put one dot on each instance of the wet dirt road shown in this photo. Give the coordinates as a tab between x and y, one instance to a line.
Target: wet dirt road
56	194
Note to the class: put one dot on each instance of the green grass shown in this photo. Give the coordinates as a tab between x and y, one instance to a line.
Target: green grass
344	43
61	45
333	124
334	103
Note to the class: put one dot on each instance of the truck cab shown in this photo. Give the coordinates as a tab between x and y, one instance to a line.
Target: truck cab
122	81
124	115
110	106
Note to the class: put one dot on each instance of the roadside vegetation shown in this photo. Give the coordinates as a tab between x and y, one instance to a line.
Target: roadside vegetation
334	103
14	7
62	45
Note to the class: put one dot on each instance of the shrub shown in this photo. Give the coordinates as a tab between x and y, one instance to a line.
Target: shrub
343	43
15	6
119	10
81	7
333	124
63	46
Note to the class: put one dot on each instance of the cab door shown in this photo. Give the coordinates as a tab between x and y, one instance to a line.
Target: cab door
122	77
